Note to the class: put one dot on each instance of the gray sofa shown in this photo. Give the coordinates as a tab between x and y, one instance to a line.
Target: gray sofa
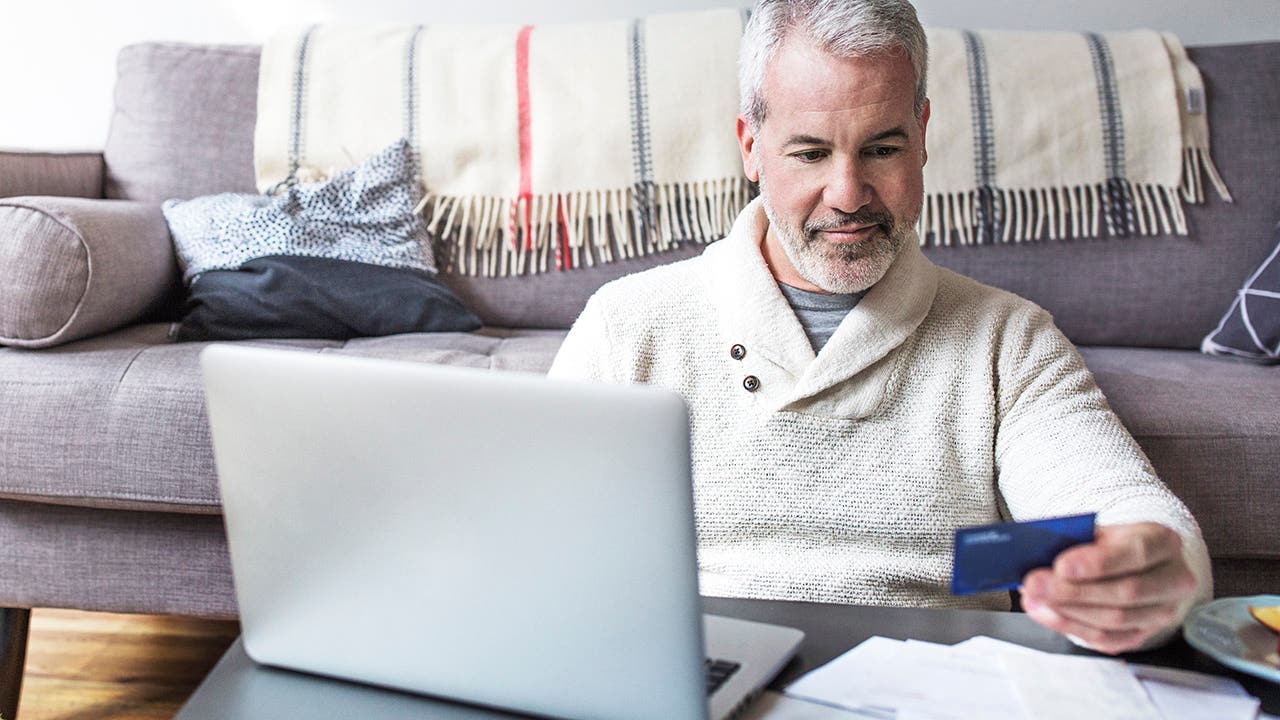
108	499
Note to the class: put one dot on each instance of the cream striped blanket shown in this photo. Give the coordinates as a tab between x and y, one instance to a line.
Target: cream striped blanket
1062	135
557	146
548	146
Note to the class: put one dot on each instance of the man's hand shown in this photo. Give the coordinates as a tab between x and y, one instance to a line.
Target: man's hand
1116	592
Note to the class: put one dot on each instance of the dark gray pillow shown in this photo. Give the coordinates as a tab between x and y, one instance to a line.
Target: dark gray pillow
304	297
1251	327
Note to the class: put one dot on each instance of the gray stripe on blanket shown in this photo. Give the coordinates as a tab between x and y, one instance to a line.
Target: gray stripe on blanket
411	98
1117	202
988	208
641	142
299	106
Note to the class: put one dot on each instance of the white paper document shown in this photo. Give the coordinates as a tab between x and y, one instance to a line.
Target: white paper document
1176	694
896	679
1182	695
868	679
987	678
1069	687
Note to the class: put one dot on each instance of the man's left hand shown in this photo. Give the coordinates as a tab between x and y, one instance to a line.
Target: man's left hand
1116	592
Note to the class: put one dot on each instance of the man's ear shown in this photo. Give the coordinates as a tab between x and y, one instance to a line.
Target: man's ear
924	123
746	144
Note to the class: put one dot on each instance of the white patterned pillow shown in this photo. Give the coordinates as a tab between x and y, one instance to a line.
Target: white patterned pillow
364	214
1251	327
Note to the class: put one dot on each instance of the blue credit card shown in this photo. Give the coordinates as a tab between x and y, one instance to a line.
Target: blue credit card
996	557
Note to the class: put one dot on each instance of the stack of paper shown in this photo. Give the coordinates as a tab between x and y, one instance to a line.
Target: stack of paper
987	678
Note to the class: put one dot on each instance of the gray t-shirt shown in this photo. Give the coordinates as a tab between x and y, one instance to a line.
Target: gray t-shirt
819	313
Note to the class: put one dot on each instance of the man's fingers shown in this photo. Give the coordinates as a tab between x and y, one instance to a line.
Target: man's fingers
1169	582
1119	550
1114	593
1147	618
1102	640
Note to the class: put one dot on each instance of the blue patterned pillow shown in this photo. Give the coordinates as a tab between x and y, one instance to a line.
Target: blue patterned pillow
364	214
1251	327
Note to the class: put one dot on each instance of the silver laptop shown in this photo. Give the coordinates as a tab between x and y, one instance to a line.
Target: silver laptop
501	539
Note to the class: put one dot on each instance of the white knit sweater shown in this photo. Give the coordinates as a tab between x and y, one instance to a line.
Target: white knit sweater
938	403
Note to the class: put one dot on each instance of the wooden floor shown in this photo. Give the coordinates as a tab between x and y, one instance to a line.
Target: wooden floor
98	666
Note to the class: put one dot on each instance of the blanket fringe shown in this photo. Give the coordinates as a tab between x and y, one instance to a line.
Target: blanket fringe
1116	208
500	236
1195	163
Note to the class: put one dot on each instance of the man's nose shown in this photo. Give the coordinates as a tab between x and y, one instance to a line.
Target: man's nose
848	188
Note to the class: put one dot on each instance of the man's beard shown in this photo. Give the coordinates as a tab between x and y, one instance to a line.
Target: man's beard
840	268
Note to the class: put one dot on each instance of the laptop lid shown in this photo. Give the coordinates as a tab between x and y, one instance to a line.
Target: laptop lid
498	538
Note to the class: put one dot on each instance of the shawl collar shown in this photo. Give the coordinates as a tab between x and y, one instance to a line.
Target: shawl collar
750	305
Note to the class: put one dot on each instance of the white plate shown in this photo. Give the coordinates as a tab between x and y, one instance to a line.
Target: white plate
1224	630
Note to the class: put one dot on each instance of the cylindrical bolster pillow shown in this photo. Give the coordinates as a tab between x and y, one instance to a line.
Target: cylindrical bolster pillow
71	267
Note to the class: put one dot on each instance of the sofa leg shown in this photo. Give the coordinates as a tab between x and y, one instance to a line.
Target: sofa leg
13	655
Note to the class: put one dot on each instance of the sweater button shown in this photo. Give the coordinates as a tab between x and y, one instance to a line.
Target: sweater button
737	352
751	383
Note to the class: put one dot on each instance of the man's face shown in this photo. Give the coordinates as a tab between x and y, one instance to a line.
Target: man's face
839	158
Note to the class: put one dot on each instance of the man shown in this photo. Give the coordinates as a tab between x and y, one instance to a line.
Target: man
851	403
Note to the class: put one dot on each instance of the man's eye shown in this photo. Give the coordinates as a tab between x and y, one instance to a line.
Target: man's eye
883	151
809	156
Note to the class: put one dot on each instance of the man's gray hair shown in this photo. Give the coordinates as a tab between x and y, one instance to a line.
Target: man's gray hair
843	28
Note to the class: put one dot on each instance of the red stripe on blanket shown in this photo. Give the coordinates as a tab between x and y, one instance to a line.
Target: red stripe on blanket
563	260
526	143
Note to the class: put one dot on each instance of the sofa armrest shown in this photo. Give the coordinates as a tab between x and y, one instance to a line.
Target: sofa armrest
72	267
44	173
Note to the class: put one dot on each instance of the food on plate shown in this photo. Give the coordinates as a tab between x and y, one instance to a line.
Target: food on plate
1269	616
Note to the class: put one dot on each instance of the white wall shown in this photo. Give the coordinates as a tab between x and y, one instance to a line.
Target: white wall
57	57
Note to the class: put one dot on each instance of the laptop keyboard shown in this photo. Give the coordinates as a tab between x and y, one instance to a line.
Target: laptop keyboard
718	671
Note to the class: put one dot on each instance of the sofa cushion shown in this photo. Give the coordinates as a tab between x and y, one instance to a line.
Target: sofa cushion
72	267
1251	327
1212	431
183	121
118	421
552	299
